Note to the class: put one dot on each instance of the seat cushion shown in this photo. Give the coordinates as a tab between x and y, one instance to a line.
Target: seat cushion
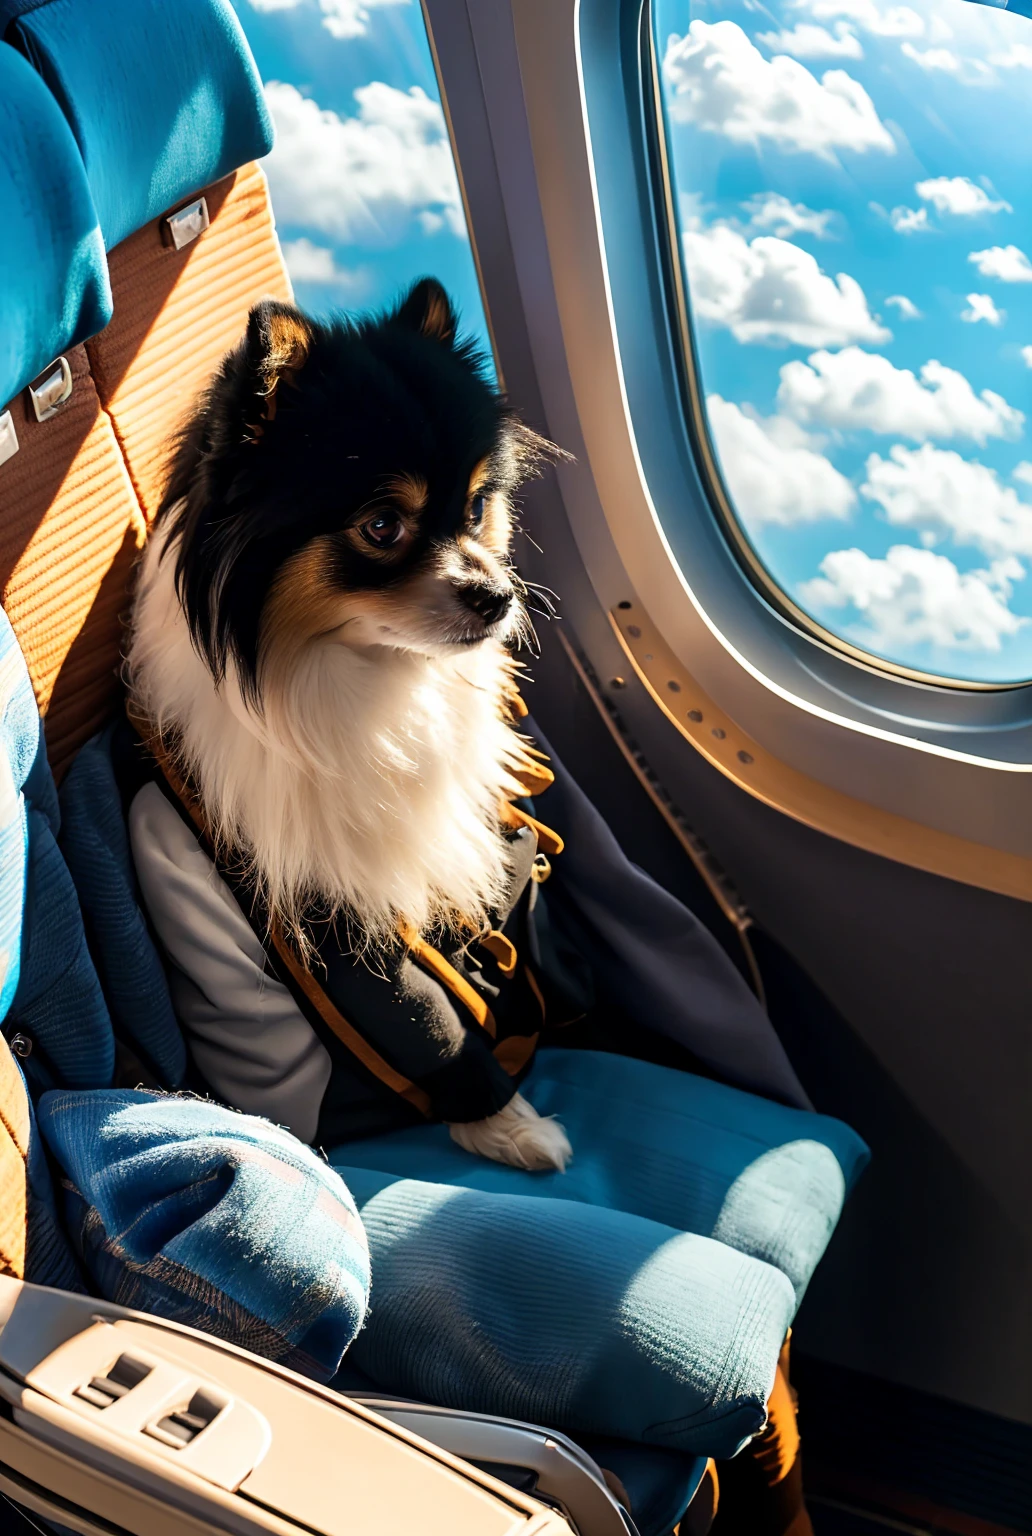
214	1219
571	1315
162	98
54	288
693	1154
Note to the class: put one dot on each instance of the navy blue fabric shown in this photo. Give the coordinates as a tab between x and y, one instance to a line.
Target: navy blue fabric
48	1255
11	9
659	1484
163	97
59	1003
50	992
54	289
653	957
95	845
215	1219
27	802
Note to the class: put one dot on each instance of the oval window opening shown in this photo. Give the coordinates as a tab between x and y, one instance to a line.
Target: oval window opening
846	185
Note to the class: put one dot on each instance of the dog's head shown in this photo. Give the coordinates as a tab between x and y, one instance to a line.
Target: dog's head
348	484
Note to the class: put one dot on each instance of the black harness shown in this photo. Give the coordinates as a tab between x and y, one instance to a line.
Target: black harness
417	1031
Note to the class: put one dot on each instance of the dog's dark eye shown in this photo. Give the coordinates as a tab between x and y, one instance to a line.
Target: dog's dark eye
383	530
476	512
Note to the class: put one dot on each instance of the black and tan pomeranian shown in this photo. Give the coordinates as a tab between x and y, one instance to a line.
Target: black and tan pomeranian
323	628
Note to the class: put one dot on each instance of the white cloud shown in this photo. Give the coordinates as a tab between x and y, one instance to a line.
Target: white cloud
909	221
914	597
908	310
1006	262
938	494
776	214
350	18
854	390
772	473
981	307
1022	472
718	80
311	263
892	21
941	59
364	177
769	290
1026	356
1017	56
959	196
806	41
342	18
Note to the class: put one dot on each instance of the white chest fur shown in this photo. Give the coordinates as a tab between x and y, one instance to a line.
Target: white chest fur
370	782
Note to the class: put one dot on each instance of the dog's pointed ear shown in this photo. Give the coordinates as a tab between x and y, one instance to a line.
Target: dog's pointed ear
276	348
428	310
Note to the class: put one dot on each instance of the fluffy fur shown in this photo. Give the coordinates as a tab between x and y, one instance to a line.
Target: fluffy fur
322	623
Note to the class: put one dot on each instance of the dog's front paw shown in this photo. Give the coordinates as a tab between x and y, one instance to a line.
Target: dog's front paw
516	1135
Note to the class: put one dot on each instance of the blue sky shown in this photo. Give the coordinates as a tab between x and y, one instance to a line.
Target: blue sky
851	178
362	177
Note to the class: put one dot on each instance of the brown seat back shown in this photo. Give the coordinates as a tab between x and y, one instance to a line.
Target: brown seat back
76	499
176	315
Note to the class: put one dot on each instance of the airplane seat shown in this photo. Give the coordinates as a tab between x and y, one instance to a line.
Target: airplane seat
87	480
165	107
168	111
71	524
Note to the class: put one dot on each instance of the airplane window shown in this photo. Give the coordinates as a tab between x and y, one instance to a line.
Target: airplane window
363	182
847	181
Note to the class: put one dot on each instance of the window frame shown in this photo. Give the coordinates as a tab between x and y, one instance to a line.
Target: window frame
566	92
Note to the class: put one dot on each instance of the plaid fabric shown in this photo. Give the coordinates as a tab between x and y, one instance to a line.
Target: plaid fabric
214	1219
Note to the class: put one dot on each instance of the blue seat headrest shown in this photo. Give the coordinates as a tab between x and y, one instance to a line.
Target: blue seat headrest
163	96
54	289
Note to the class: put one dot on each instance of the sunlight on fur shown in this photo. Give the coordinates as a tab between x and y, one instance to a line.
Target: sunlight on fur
370	782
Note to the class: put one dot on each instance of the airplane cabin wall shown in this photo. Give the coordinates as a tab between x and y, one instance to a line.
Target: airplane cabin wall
928	1049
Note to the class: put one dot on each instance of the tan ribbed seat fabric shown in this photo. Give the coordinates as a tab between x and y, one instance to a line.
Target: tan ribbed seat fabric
14	1148
76	498
70	531
176	314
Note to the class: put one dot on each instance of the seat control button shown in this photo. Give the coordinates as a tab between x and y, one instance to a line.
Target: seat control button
179	1428
124	1375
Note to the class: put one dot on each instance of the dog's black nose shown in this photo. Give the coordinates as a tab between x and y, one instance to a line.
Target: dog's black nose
488	603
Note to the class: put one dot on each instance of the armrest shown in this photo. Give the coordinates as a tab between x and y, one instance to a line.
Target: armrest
564	1476
109	1418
